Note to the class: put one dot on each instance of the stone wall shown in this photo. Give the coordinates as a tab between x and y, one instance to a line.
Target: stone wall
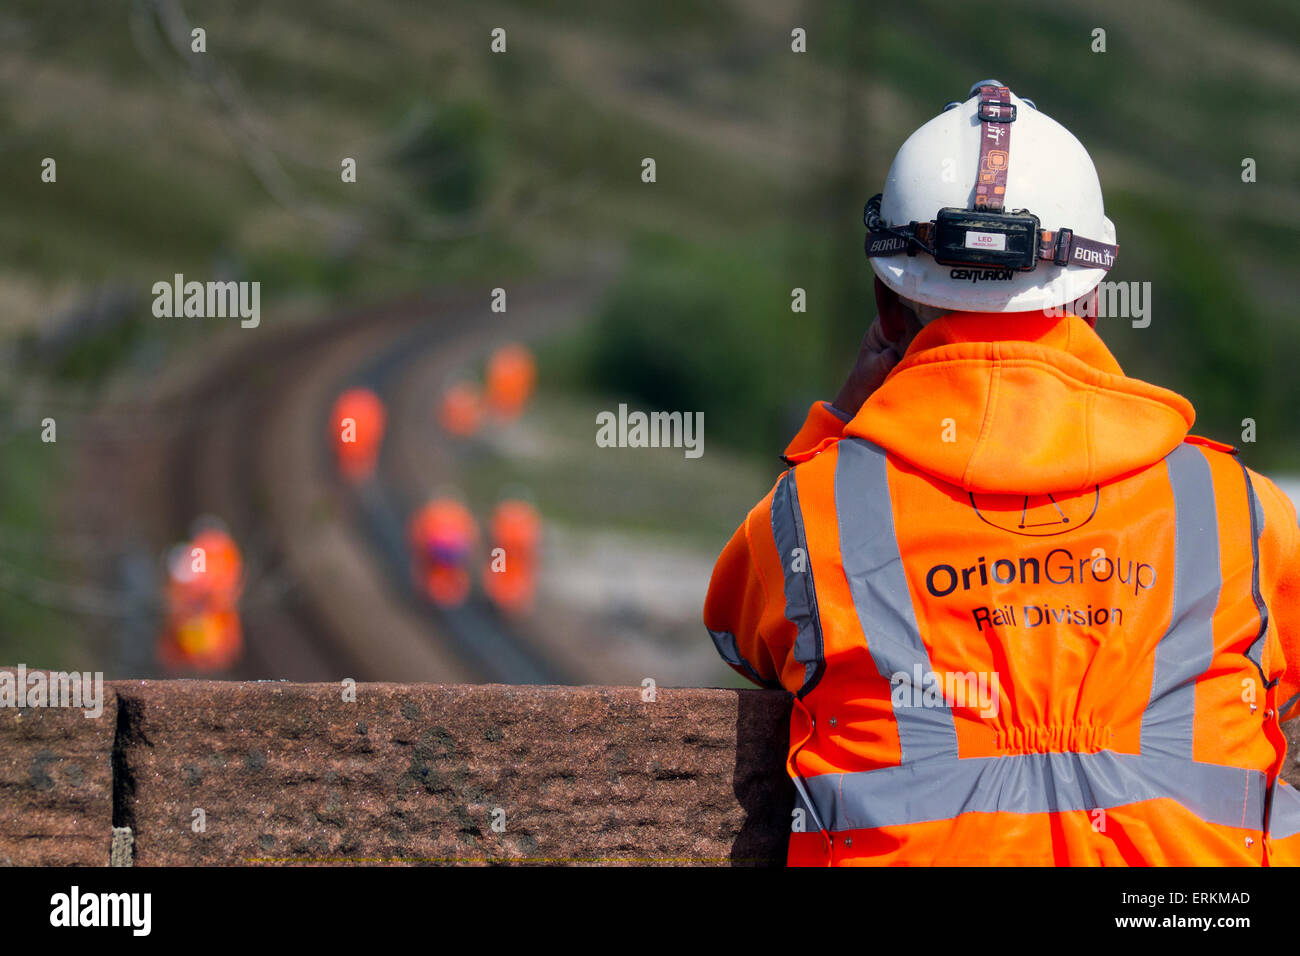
246	773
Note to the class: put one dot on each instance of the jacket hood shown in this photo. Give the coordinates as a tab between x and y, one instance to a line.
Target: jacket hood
1037	405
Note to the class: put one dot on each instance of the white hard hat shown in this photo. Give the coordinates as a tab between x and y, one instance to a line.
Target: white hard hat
1048	174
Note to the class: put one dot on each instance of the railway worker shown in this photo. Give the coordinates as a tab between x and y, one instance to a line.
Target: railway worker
223	565
204	585
442	537
207	641
510	578
511	375
357	423
460	411
931	723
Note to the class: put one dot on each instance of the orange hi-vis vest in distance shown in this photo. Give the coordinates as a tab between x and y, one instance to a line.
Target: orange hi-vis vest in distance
357	424
516	530
1026	619
442	537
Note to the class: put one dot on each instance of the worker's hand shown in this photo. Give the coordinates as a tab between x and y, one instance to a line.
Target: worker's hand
876	358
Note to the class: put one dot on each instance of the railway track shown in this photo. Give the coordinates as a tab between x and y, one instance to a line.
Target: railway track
329	593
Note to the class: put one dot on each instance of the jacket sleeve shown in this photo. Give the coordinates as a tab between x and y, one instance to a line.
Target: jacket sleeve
745	607
1280	586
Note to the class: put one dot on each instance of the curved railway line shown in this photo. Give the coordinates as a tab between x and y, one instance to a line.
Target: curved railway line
328	591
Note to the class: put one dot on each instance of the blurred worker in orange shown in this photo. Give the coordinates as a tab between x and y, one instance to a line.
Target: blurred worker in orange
510	579
357	430
511	375
461	410
204	583
207	641
442	537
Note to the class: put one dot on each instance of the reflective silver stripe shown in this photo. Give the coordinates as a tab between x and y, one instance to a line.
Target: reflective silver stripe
1036	783
1288	705
1285	813
1187	647
842	416
725	642
874	568
803	801
1256	650
800	597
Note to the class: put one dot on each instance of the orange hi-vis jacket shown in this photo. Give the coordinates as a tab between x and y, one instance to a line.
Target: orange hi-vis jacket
1026	619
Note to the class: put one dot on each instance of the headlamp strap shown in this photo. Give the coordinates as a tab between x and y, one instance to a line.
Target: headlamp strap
1064	248
996	114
